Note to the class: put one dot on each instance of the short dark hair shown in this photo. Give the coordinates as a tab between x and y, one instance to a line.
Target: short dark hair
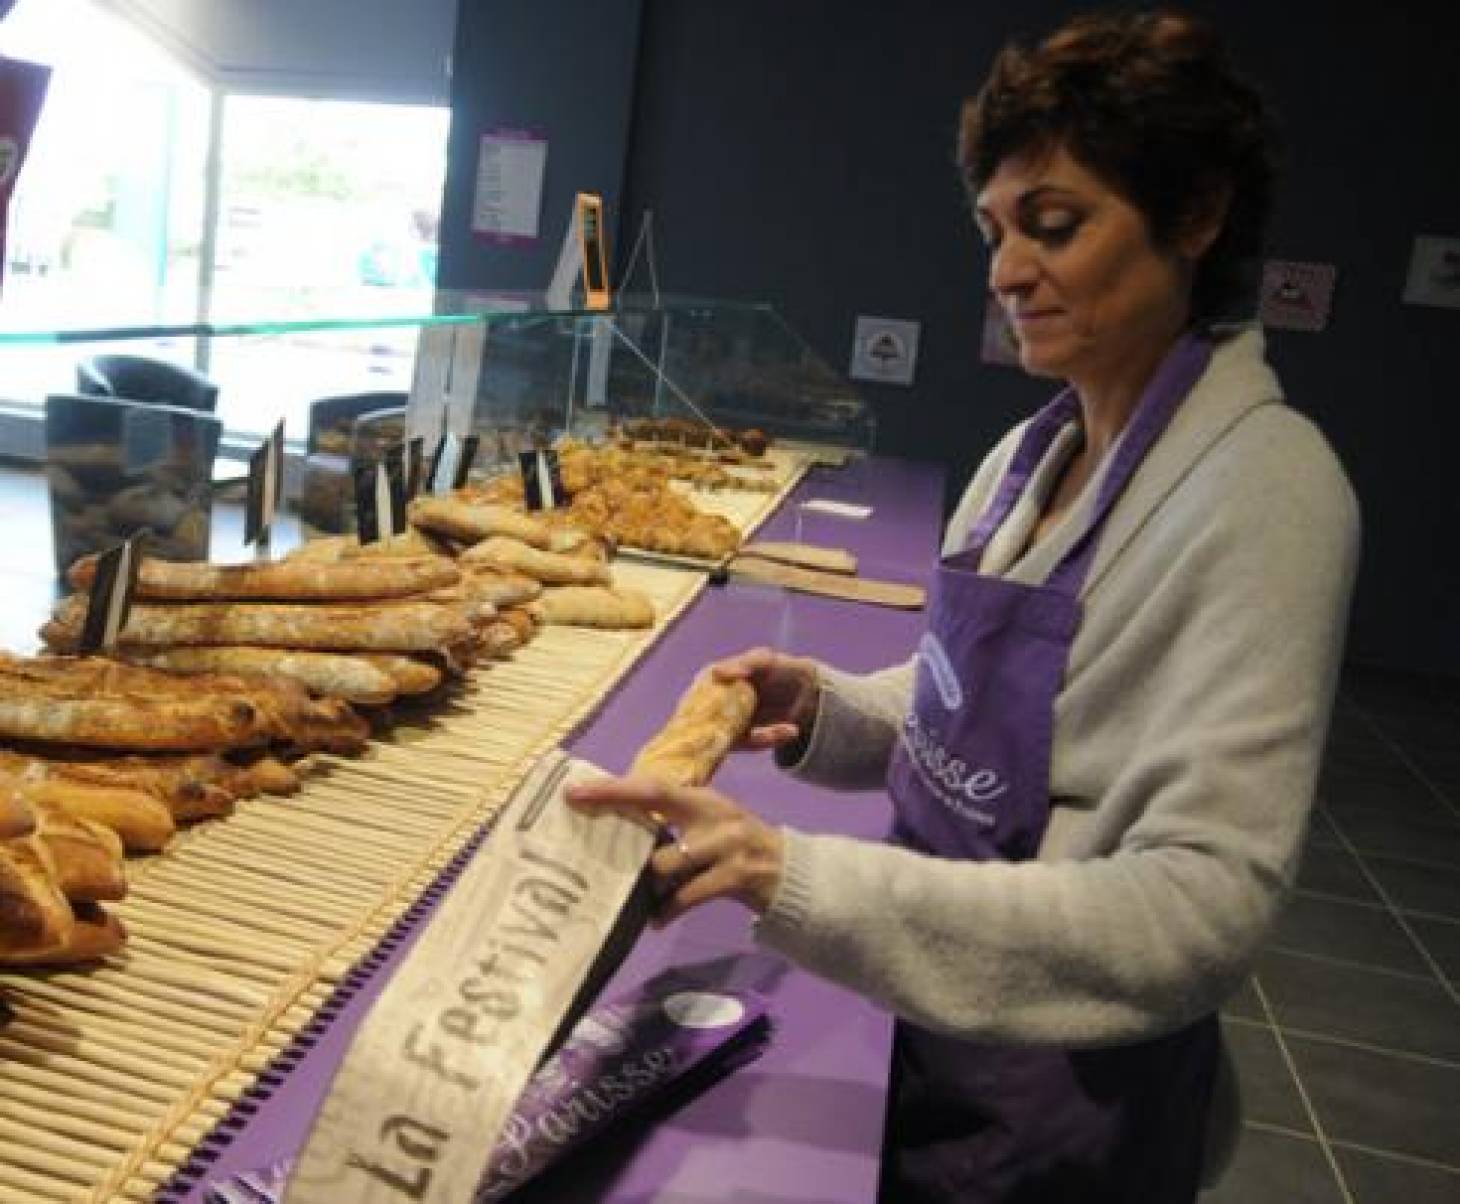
1150	103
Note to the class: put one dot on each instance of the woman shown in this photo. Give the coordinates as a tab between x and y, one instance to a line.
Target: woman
1103	756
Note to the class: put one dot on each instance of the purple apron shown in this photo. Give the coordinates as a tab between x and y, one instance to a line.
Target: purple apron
970	779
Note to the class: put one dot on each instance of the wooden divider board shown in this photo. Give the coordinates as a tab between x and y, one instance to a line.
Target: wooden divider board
829	585
436	1068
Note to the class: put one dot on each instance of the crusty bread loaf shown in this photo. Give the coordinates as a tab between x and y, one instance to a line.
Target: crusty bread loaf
93	933
283	580
34	913
503	588
551	568
389	627
353	677
167	725
410	546
473	521
595	606
16	817
709	721
87	856
408	674
143	822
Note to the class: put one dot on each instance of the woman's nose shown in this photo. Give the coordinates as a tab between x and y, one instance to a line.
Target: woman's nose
1012	267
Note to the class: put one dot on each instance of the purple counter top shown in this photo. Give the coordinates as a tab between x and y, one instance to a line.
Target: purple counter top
804	1122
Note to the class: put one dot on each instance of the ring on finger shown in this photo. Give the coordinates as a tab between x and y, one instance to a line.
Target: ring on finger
681	846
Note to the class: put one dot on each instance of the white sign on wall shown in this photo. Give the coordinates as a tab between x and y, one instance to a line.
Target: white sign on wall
885	350
1434	272
507	204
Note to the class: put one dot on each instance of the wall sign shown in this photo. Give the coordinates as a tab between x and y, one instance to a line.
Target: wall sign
885	350
1434	272
1296	296
507	205
22	93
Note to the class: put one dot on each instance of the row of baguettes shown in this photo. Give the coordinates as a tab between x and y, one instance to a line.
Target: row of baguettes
224	679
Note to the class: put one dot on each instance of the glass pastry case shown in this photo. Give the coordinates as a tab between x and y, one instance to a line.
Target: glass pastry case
722	380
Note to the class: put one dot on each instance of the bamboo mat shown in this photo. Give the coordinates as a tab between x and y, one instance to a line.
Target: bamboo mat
244	927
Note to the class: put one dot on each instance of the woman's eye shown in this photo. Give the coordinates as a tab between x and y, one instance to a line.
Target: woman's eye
1056	233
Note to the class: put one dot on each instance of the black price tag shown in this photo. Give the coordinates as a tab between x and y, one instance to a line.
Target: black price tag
380	497
265	481
469	447
415	466
111	594
542	479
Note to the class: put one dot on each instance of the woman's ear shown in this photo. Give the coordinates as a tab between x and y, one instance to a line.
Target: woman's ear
1202	226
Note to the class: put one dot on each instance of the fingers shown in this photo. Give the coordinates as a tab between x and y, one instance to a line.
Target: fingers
737	857
717	882
745	665
647	800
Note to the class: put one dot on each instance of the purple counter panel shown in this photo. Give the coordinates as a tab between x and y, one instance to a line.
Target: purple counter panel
804	1121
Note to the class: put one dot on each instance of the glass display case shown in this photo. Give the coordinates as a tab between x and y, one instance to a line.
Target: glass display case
702	376
707	374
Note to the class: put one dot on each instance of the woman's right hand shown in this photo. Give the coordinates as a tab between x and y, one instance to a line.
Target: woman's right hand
787	691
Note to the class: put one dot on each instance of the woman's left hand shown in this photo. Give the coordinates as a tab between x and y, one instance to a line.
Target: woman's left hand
716	849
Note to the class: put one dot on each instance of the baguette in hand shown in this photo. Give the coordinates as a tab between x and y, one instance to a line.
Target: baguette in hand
710	720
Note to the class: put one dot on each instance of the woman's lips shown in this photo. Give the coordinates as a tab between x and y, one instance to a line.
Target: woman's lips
1034	319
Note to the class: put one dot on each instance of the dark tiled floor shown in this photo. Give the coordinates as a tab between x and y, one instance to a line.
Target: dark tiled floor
1347	1038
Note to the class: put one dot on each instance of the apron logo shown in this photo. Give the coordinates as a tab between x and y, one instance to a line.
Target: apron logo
940	669
963	788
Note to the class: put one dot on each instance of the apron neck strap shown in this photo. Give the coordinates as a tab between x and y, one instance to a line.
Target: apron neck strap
1168	388
1038	436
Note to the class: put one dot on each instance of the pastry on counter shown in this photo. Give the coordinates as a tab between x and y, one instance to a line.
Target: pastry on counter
595	606
551	568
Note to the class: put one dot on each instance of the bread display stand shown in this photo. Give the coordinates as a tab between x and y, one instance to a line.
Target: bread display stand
253	930
436	1069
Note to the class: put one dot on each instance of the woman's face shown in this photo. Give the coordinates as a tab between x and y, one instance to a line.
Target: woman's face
1074	268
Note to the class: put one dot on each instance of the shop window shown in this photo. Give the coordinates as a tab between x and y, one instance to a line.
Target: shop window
106	218
327	209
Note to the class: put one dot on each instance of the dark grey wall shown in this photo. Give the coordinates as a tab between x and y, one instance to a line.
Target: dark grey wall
564	67
801	153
